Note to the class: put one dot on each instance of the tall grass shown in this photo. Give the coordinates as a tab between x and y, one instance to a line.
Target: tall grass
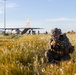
25	55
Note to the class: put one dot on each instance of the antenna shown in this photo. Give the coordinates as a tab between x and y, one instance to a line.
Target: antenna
4	14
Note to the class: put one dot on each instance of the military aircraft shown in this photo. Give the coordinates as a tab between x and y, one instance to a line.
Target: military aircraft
22	30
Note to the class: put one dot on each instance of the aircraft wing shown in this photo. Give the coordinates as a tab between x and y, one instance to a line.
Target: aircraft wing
33	28
18	28
11	28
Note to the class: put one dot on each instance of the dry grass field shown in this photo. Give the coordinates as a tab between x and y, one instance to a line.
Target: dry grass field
24	55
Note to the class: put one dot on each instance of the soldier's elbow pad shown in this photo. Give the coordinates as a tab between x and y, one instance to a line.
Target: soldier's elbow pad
71	49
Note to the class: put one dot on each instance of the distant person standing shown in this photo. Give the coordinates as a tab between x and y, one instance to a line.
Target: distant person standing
60	46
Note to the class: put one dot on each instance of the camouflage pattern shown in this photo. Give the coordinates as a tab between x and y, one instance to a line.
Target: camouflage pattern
55	31
62	42
63	46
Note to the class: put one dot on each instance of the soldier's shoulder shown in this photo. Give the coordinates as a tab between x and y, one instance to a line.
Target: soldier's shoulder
64	35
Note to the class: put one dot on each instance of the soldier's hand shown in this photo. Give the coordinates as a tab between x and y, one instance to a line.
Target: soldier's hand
53	42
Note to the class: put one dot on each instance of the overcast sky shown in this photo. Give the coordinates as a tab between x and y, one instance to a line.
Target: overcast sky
45	14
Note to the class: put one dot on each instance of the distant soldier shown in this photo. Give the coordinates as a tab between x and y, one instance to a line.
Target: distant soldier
60	46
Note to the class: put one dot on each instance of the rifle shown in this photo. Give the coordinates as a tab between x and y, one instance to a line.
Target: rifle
55	47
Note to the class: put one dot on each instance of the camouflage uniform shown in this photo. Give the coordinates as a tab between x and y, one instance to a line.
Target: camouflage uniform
62	47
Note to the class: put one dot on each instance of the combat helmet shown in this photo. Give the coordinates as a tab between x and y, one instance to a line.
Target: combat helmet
56	31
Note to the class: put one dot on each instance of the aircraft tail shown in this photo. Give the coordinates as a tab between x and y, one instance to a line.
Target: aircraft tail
28	23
